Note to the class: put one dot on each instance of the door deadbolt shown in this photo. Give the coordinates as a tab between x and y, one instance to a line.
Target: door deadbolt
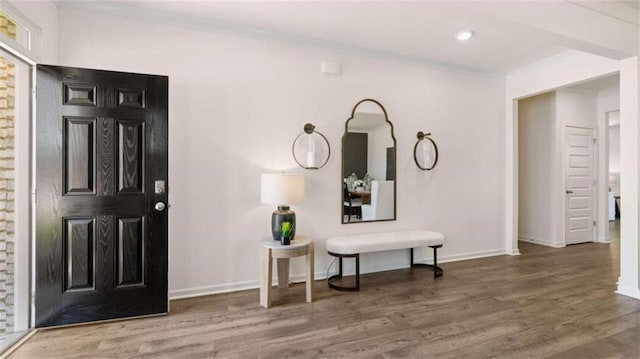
159	187
160	206
569	191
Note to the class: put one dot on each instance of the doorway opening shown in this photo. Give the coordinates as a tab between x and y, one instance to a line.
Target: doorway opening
563	163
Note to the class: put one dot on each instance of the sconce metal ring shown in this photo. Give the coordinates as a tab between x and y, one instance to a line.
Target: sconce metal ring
422	136
308	130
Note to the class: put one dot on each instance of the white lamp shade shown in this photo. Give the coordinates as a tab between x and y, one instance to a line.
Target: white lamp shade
281	189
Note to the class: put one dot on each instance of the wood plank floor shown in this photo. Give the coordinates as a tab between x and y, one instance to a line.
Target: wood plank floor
546	303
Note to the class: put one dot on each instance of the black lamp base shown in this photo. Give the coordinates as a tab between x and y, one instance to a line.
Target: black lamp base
282	214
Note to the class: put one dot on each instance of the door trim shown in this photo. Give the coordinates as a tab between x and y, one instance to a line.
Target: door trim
27	188
32	171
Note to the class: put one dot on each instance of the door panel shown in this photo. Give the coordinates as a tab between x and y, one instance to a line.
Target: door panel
80	95
101	248
579	172
134	98
79	155
130	251
579	202
578	161
579	181
79	255
130	156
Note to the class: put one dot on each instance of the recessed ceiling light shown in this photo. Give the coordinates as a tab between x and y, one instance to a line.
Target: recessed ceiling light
464	35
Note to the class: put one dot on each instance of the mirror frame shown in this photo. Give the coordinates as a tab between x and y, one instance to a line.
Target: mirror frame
395	161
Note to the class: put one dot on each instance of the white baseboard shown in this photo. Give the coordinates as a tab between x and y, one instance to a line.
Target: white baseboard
322	275
464	256
604	240
236	287
543	243
213	289
628	291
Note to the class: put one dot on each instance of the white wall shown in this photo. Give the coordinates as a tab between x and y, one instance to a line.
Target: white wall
614	159
608	100
629	280
614	149
576	108
567	68
235	106
542	121
612	123
537	157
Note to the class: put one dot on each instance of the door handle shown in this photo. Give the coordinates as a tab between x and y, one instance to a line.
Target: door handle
160	206
569	191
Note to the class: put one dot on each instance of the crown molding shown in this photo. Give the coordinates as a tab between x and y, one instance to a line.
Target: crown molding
119	9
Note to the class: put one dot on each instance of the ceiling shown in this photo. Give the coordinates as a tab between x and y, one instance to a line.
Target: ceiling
509	34
627	11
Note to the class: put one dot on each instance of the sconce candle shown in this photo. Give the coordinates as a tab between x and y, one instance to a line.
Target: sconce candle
311	163
311	158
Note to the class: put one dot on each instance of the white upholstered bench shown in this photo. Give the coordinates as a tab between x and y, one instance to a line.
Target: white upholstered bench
351	246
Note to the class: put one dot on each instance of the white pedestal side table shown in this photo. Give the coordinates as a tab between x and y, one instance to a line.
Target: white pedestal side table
269	249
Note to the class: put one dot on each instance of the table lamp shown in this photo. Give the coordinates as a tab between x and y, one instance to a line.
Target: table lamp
282	190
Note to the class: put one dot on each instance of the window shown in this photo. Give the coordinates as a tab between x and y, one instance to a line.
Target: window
18	32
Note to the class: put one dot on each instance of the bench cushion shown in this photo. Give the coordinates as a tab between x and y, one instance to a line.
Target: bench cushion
363	243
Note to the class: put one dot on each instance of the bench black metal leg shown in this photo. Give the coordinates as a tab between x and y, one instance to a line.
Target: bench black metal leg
437	271
357	272
339	275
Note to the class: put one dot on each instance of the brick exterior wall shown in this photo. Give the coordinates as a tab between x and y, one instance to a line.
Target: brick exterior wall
7	170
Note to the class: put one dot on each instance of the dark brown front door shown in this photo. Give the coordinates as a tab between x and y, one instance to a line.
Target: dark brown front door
101	244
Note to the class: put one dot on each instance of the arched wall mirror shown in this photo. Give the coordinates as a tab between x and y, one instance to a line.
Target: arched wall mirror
368	165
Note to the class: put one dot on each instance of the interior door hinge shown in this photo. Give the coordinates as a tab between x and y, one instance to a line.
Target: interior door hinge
594	140
594	222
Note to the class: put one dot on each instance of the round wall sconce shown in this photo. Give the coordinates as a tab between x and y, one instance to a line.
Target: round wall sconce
311	149
425	152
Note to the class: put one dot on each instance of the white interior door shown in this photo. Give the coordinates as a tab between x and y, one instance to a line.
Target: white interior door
579	185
